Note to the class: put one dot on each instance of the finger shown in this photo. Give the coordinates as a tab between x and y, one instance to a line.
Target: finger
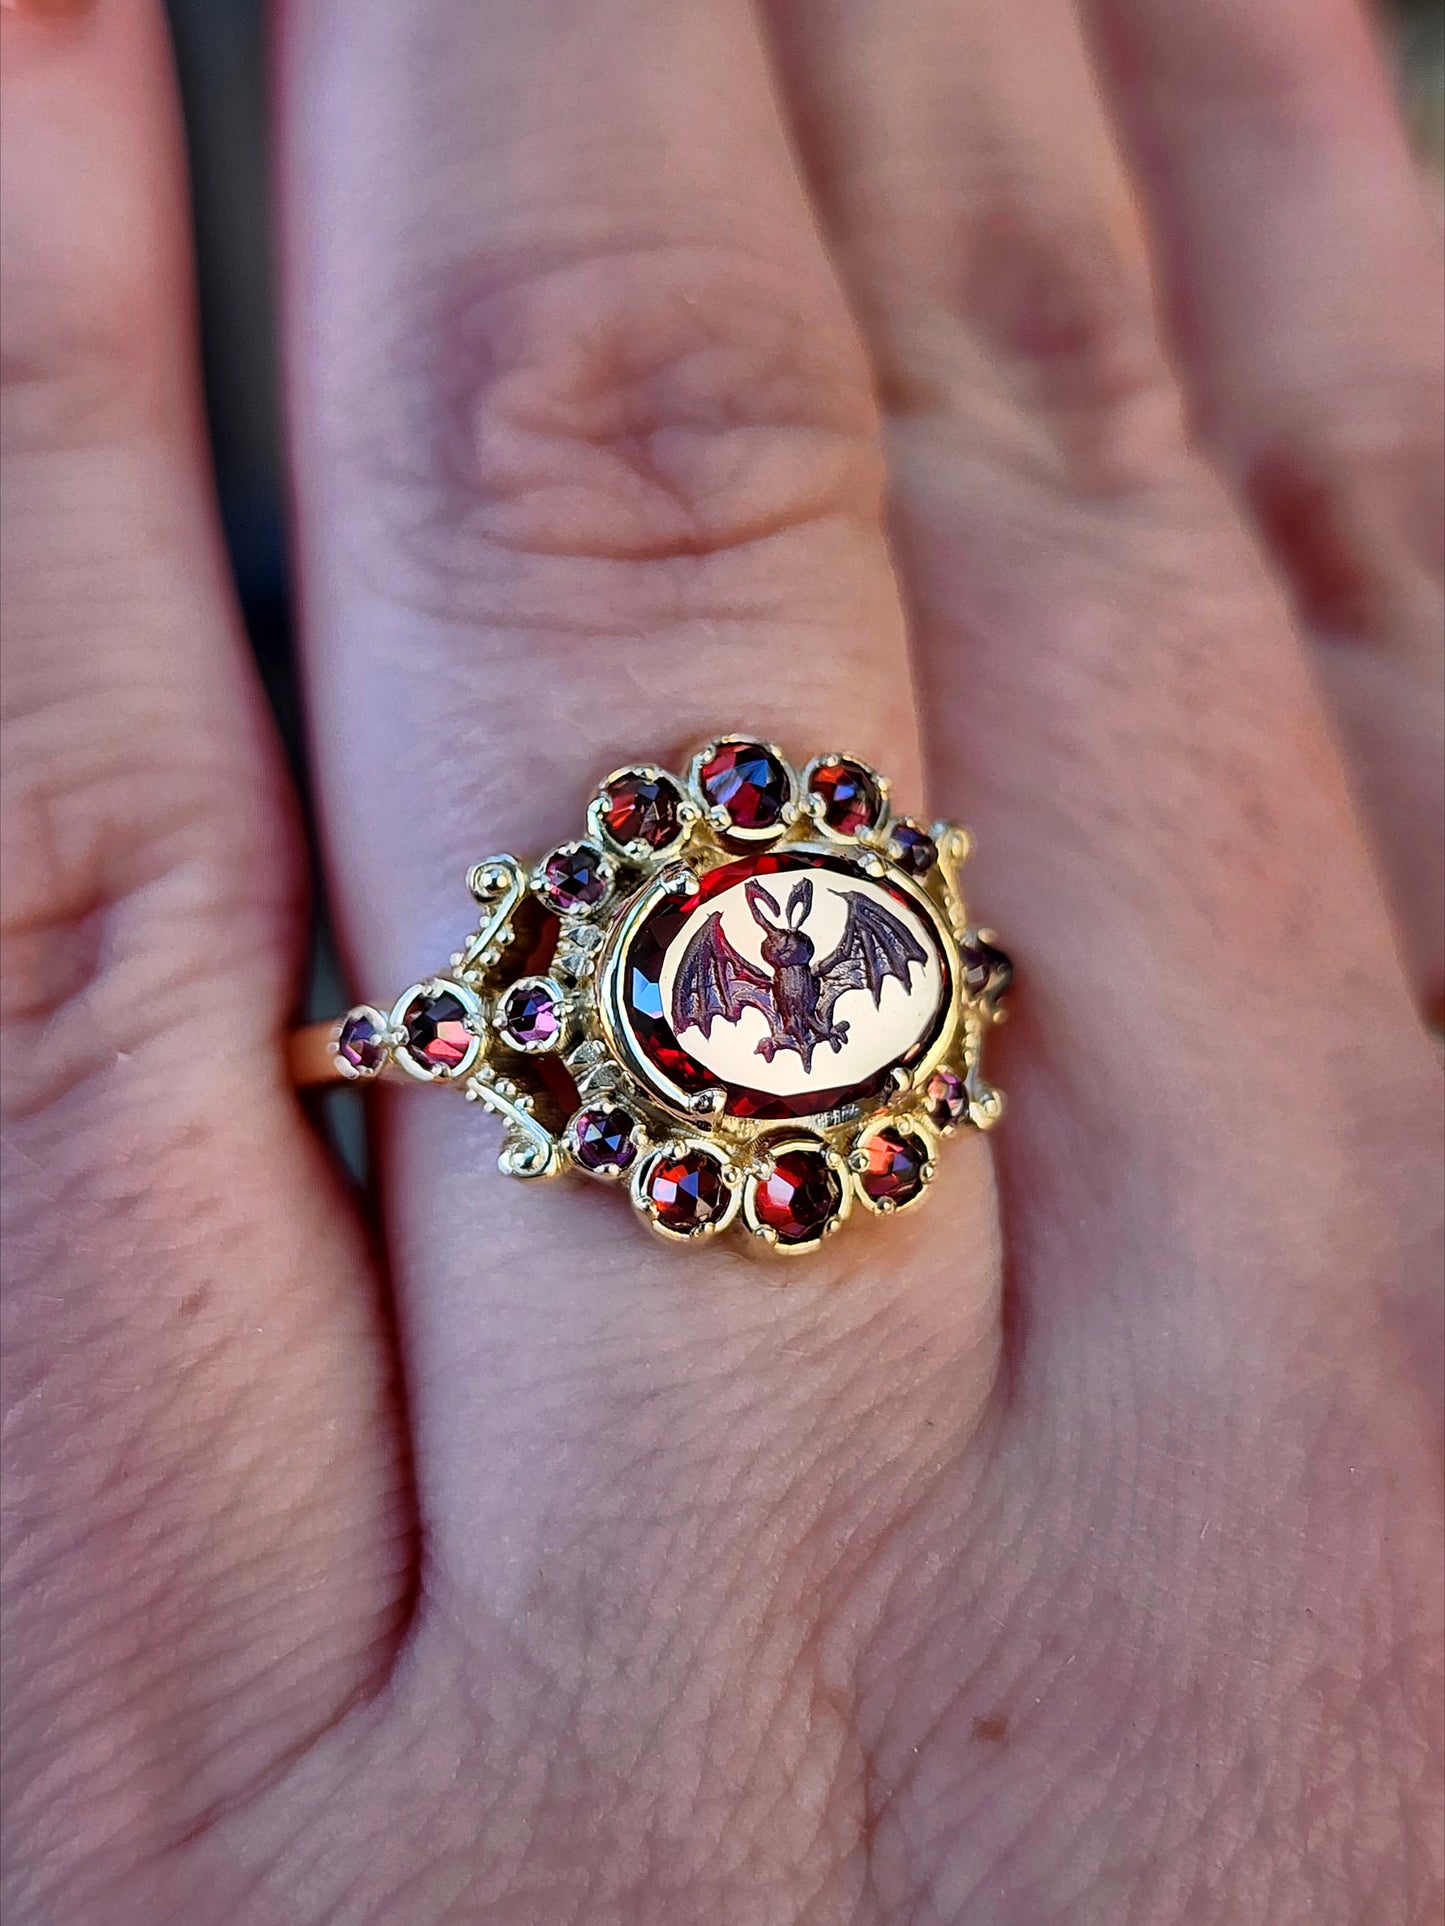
1115	697
588	469
1304	275
197	1430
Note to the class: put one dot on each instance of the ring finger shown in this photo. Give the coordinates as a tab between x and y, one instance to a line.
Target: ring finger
587	468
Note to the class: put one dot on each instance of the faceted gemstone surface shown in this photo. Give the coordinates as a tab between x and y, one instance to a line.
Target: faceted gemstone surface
985	967
747	780
436	1030
895	1029
530	1016
895	1167
359	1045
848	794
575	877
799	1197
642	809
914	850
687	1191
947	1099
605	1138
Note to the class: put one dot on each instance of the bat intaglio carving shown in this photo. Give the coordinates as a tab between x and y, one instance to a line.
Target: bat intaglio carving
753	996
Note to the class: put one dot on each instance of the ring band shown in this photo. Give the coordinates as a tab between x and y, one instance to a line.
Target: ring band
754	994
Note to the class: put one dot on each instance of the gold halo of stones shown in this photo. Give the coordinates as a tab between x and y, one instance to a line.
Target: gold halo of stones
750	996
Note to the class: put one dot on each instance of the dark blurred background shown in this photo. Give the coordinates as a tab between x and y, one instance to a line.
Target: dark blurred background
219	46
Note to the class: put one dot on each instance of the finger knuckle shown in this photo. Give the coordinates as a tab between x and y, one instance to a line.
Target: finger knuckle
636	407
85	339
135	891
1049	309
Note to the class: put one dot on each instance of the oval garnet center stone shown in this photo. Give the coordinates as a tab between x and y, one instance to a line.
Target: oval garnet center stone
792	981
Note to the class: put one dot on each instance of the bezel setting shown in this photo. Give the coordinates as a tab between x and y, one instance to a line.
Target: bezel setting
737	992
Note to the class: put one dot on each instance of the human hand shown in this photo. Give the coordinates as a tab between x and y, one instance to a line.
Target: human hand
1069	1553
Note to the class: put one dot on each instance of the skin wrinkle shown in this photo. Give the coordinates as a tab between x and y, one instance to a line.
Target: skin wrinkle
765	1572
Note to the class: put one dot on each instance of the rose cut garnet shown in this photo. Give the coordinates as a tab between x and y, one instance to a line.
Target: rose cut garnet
359	1045
746	781
436	1029
895	1167
985	969
799	1197
687	1191
947	1099
849	799
913	849
604	1139
530	1017
576	877
642	809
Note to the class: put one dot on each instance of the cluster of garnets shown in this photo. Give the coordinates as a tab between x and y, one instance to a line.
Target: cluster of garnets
799	1192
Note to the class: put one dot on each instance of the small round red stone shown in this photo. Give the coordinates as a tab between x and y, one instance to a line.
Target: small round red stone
639	808
896	1161
530	1017
913	849
436	1029
848	796
359	1044
947	1099
986	969
686	1191
799	1197
576	877
747	782
604	1139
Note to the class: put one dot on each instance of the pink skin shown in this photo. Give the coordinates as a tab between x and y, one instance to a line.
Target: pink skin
1067	1553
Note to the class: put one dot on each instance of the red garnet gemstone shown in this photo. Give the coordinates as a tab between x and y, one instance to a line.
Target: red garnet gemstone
913	849
687	1191
530	1017
848	795
576	877
642	809
895	1167
359	1044
800	1196
985	969
746	780
946	1098
436	1030
604	1139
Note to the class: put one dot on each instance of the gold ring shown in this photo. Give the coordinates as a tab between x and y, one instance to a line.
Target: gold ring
754	995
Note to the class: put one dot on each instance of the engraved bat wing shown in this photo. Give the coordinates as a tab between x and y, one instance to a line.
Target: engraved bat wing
874	946
715	980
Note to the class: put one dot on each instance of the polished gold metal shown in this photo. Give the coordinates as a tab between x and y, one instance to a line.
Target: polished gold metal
547	1028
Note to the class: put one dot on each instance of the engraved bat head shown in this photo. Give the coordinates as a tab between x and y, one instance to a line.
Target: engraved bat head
784	943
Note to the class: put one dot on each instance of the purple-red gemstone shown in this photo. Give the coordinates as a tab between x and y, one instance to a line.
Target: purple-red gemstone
799	1198
848	795
360	1046
913	849
687	1191
530	1015
896	1161
946	1097
436	1030
575	877
985	969
642	809
746	781
605	1138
